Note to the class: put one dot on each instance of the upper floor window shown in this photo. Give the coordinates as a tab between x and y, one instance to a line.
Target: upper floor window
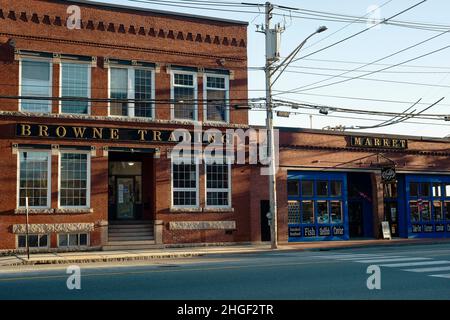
136	88
34	179
75	83
216	94
36	81
184	95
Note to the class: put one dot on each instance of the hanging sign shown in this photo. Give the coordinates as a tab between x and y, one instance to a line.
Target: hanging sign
388	175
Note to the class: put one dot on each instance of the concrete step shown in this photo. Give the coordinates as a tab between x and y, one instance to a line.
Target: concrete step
127	233
134	238
129	245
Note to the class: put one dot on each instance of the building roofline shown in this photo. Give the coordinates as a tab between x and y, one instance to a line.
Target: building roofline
362	134
156	11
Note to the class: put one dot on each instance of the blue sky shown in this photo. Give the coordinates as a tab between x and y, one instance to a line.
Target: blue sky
369	46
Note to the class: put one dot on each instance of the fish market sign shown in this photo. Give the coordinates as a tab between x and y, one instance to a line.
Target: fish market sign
375	142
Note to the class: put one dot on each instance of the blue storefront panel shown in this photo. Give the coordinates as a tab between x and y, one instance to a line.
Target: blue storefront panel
317	206
427	206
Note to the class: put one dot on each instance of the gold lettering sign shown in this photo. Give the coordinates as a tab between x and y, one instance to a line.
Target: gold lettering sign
376	142
114	134
61	132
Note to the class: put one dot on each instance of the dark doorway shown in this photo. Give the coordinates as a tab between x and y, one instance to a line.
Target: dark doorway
265	228
130	186
355	219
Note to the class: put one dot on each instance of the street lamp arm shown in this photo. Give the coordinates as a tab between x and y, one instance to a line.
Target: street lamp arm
293	54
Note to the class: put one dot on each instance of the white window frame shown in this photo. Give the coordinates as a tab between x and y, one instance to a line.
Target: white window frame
131	90
172	93
88	240
50	89
227	96
88	181
34	234
89	85
49	178
197	185
228	162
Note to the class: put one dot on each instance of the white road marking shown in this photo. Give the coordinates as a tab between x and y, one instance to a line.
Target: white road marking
370	257
441	275
435	269
412	264
391	260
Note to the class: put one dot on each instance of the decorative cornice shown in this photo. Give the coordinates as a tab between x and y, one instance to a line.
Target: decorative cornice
116	27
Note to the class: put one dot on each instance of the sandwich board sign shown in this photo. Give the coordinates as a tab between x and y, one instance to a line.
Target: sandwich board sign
386	230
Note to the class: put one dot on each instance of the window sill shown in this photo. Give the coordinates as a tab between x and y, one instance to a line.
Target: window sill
202	210
34	211
73	210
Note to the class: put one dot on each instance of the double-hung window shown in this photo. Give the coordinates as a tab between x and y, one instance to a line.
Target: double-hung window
216	94
184	95
76	84
36	81
133	90
185	177
218	184
34	179
74	179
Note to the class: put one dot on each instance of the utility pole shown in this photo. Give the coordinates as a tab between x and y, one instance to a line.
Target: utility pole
270	132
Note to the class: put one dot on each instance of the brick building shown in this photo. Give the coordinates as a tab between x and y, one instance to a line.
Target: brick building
88	116
93	161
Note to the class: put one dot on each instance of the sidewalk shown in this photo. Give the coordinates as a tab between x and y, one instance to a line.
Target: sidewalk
134	255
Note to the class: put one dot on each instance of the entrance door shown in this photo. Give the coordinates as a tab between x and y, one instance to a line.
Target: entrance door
125	198
265	228
355	217
391	214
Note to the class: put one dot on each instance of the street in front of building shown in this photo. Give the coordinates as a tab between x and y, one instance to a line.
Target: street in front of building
406	272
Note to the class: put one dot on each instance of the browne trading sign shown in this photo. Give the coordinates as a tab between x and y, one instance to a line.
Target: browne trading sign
108	134
375	142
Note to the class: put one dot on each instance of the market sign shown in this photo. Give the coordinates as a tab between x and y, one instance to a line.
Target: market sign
376	142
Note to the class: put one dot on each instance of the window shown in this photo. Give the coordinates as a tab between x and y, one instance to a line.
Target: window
184	183
336	212
216	95
34	241
414	211
447	190
308	211
218	183
436	190
424	189
414	189
184	95
322	188
36	81
447	210
307	188
131	83
74	179
336	188
322	212
75	83
72	240
390	190
293	188
424	208
438	210
34	178
293	212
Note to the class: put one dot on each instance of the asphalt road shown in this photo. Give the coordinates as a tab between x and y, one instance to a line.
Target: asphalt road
407	272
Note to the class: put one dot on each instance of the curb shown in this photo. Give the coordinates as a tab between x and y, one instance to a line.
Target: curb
172	255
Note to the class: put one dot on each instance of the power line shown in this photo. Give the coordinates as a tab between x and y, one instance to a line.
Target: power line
377	60
372	72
